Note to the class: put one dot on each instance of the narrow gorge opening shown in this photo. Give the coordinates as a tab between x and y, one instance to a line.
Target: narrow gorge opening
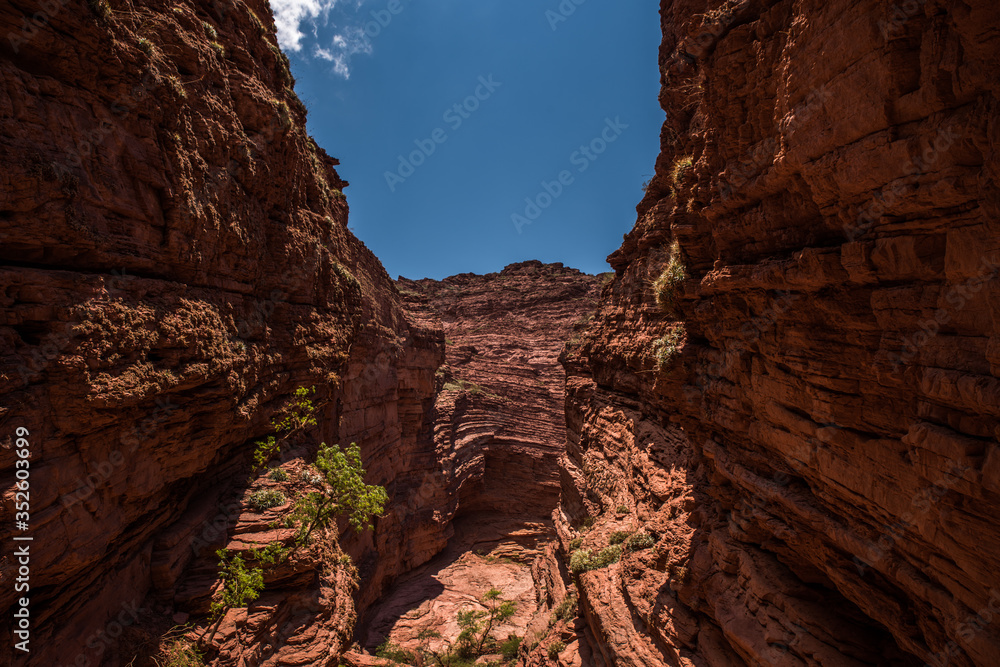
499	432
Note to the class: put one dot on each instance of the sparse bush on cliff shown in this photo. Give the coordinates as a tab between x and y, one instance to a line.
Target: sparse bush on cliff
510	646
298	414
310	477
640	541
666	347
619	536
210	31
284	113
584	560
397	654
344	493
146	46
180	653
241	584
346	276
679	171
278	475
575	543
567	608
555	648
265	499
665	286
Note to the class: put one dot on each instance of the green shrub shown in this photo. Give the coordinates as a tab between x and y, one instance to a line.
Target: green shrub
210	31
241	584
510	647
665	286
555	648
272	554
567	609
390	651
278	475
575	543
265	499
679	172
146	46
298	413
640	541
666	347
345	493
218	48
619	536
622	509
584	560
180	653
579	560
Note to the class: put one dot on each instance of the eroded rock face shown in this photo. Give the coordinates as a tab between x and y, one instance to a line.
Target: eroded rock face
817	461
482	515
174	262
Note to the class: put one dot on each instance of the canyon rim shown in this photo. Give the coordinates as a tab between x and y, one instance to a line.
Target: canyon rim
768	435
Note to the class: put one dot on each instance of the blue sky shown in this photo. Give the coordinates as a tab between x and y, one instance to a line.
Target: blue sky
556	125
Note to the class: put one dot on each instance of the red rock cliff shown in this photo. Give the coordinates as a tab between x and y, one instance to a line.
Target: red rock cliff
482	512
174	262
812	443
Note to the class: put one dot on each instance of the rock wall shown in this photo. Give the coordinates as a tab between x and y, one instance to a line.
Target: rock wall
812	443
174	262
480	499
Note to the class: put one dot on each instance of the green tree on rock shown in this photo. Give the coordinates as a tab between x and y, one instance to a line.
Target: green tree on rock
343	492
478	625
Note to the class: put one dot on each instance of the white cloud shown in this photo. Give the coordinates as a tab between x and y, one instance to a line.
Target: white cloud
295	18
345	45
289	16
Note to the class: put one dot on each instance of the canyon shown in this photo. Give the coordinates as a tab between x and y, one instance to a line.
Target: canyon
770	437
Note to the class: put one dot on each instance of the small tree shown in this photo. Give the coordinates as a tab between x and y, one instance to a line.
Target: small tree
477	625
344	492
299	414
241	584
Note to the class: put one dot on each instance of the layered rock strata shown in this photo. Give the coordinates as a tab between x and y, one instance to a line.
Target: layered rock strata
482	516
174	262
806	425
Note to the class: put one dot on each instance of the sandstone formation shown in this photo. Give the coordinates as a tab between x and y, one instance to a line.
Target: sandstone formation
776	443
807	429
491	481
175	262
